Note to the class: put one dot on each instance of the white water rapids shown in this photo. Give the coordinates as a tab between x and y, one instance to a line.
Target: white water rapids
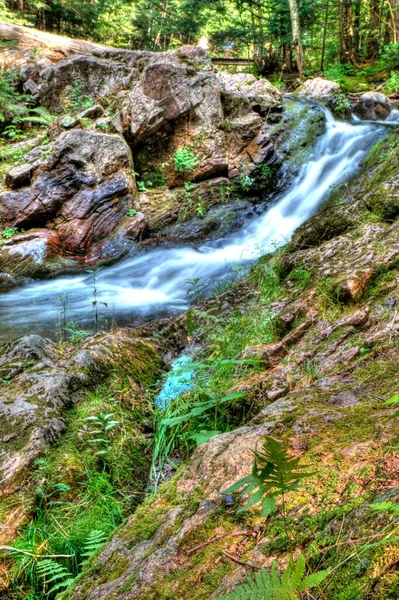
154	282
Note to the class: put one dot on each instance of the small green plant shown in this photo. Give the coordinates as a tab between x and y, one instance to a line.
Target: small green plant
79	99
9	232
341	104
63	300
393	401
12	132
95	302
132	212
273	585
184	160
274	473
200	210
266	175
141	186
245	182
101	425
75	333
195	288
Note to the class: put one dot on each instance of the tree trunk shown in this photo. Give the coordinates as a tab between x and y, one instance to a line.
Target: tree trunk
356	30
50	44
373	37
394	8
346	31
296	36
323	49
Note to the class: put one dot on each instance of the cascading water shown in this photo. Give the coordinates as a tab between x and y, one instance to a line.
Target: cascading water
155	282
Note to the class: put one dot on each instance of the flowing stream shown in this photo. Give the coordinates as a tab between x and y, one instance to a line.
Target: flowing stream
155	282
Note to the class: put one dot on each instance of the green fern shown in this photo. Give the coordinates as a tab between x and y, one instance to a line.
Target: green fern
95	540
275	586
386	507
12	104
41	116
274	473
393	401
53	575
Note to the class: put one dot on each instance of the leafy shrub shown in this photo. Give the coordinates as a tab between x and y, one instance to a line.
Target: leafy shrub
389	58
392	85
185	161
339	72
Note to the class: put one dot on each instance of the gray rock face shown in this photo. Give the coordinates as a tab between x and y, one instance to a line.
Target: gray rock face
82	190
94	76
318	89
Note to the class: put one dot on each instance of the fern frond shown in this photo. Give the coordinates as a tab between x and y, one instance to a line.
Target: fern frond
271	585
52	572
41	115
274	473
95	540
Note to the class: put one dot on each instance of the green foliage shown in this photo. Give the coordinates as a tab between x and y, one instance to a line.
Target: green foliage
132	212
101	425
389	57
299	277
95	540
184	160
74	333
245	182
12	103
274	473
386	507
392	84
54	576
41	116
9	232
275	586
393	401
185	422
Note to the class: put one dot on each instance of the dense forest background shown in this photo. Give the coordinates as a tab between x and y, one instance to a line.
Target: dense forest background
275	33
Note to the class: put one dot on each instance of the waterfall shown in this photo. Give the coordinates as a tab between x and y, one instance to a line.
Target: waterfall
155	282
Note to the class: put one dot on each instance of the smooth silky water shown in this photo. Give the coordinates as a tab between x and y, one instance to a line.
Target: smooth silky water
154	283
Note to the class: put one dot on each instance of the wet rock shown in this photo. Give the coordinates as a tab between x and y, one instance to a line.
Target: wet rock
373	106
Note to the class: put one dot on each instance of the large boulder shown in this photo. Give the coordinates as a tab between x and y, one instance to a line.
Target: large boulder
318	89
82	190
82	75
373	106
